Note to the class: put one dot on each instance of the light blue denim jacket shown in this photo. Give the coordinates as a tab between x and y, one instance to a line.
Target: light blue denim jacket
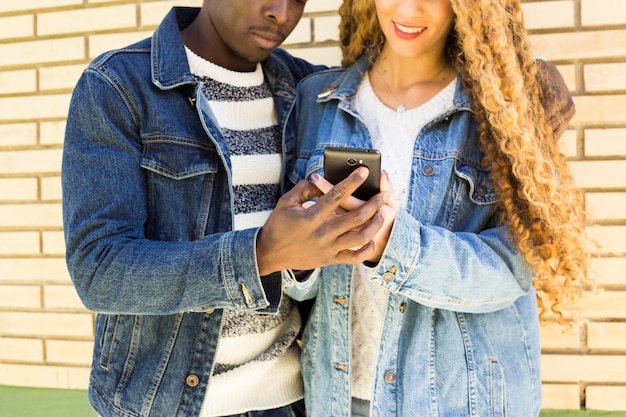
460	334
148	212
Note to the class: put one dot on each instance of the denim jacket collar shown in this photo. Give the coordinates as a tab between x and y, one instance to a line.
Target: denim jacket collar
170	68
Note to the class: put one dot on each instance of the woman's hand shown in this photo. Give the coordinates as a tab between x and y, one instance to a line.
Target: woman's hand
389	210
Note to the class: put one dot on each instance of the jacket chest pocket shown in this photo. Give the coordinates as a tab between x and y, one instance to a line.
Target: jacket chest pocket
471	200
181	177
450	191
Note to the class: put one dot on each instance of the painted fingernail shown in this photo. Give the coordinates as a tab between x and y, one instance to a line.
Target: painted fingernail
314	177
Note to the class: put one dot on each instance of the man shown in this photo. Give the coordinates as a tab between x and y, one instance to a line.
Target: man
172	163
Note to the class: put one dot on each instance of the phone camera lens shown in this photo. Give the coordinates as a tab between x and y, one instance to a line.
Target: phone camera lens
351	161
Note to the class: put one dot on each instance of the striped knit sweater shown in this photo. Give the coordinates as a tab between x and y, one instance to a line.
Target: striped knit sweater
257	362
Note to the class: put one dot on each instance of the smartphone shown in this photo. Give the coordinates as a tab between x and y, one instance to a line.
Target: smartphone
340	162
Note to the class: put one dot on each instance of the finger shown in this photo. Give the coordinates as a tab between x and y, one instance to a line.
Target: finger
349	202
300	193
340	192
360	242
387	187
357	227
385	183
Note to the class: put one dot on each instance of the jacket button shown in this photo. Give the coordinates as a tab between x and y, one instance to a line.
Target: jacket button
192	381
428	170
403	307
390	275
481	190
390	377
211	311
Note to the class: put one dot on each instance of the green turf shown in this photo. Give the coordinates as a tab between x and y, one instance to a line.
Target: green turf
41	402
570	413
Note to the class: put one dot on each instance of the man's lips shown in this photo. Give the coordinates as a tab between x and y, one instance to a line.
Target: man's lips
269	40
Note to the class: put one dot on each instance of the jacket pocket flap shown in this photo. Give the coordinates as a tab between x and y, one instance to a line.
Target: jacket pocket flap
179	159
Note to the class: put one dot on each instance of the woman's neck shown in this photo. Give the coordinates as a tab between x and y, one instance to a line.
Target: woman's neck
403	83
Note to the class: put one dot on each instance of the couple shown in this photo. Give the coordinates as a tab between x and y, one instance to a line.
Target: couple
179	148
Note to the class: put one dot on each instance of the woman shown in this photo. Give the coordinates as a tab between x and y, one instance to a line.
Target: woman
482	212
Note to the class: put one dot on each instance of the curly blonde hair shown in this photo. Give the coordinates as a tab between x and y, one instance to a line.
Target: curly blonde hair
538	198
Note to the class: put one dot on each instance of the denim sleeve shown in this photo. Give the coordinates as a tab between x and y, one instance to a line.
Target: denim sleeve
465	272
114	267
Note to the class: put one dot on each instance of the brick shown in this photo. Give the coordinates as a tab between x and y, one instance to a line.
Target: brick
556	337
13	6
21	270
560	396
326	28
603	12
608	271
588	368
46	324
66	377
606	206
604	305
53	243
601	109
606	336
51	188
608	398
87	20
568	143
52	133
27	162
17	26
21	81
31	215
34	107
153	13
599	174
99	44
605	142
301	34
579	45
19	243
322	6
605	77
60	77
18	134
18	189
42	51
610	238
58	297
330	56
69	352
20	296
549	14
21	350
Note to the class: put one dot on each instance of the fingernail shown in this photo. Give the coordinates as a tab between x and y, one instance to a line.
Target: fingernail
314	177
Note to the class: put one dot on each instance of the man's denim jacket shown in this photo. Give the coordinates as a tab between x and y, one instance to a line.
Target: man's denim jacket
460	334
148	213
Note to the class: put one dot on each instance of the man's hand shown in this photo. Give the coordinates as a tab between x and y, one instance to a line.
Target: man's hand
555	97
389	210
295	237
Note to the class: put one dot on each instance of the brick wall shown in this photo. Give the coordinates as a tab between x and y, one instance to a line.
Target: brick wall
46	334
